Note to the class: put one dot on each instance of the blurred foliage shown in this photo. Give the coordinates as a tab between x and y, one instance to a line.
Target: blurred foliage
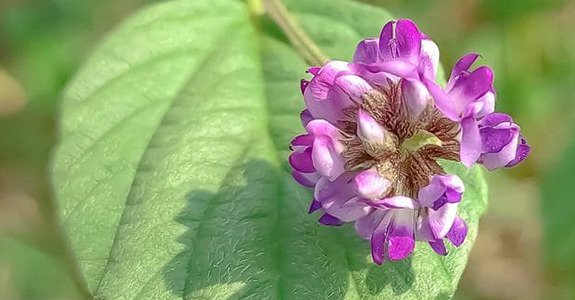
41	45
559	242
529	44
43	42
27	272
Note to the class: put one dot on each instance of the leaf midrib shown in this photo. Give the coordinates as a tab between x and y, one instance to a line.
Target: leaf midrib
279	183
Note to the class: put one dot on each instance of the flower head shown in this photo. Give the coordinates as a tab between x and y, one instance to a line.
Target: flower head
375	128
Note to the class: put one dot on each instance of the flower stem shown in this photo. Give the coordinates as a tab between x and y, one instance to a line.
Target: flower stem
303	44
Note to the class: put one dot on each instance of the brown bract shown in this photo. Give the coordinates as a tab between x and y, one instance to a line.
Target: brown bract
408	168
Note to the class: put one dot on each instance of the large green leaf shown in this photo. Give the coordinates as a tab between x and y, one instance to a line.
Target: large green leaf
171	173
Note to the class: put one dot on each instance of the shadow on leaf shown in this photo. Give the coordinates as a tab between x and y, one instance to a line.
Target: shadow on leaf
253	238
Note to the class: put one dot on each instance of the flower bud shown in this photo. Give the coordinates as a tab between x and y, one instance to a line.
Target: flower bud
441	197
368	129
416	97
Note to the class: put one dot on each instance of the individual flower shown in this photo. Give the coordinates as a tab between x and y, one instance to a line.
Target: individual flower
339	200
375	129
333	88
501	142
398	221
468	96
391	228
439	219
401	51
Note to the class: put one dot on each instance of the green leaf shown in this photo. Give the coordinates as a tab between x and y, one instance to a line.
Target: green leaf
171	172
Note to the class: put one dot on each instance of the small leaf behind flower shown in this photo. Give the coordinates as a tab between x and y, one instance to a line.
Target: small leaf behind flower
420	139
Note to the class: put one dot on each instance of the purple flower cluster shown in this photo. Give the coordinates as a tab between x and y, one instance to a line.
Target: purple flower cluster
376	127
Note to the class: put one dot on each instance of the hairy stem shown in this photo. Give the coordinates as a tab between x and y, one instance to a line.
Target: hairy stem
303	44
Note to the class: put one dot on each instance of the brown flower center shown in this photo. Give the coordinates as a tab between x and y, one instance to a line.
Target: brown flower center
408	158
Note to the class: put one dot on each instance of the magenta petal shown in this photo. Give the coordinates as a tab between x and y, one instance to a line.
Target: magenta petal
305	117
431	192
318	127
458	232
349	211
313	70
370	184
462	65
325	159
465	62
352	86
502	144
523	150
318	94
339	198
329	220
368	129
408	39
442	100
401	242
470	87
326	148
438	246
314	206
327	191
385	39
440	221
302	161
495	119
405	44
395	202
367	52
504	155
493	161
303	85
378	246
400	247
305	179
416	96
366	225
470	142
303	140
493	139
395	67
483	106
429	58
452	196
423	232
441	189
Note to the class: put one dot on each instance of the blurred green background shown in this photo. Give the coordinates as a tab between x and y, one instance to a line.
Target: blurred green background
526	245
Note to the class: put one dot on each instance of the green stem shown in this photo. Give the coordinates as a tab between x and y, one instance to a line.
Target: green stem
296	35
